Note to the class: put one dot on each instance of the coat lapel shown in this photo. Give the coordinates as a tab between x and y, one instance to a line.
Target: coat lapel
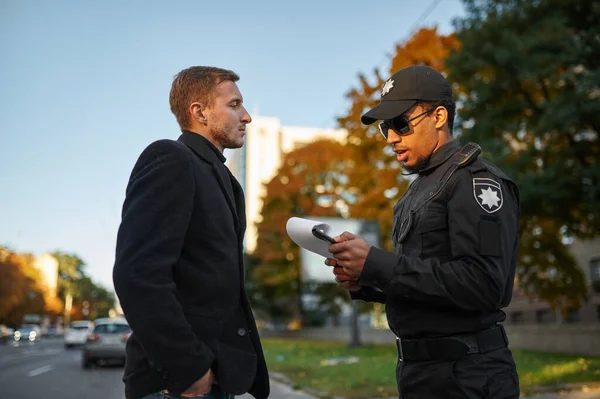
240	202
200	146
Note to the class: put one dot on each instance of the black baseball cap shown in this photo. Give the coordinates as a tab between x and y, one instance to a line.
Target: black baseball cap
405	88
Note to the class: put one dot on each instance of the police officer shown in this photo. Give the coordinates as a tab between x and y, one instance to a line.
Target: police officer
455	240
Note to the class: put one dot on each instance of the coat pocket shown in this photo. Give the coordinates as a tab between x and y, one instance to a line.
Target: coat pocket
206	329
236	369
433	231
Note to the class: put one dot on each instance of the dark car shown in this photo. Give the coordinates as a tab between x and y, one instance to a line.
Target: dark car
28	332
106	343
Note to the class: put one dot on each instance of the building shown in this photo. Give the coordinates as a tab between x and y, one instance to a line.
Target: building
48	267
258	161
525	310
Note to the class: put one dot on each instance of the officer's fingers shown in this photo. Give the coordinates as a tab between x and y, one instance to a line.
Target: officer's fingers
330	262
349	285
345	236
341	277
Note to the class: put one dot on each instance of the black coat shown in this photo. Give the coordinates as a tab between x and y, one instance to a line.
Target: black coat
452	272
179	273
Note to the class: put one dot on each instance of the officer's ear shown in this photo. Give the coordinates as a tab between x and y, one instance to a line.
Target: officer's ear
441	117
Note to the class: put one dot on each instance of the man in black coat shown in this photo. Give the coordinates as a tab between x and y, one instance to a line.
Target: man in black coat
179	271
455	240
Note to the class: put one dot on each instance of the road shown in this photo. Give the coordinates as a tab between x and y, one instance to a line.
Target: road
45	369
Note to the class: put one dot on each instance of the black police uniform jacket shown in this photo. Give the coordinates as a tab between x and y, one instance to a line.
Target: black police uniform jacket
452	270
179	273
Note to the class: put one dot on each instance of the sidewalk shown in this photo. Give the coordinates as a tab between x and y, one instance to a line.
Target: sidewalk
282	391
567	395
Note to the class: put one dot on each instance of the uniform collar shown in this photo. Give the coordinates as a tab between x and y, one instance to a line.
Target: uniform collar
440	156
198	142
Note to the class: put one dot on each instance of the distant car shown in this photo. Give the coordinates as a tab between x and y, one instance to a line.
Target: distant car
106	342
28	332
52	332
5	334
77	332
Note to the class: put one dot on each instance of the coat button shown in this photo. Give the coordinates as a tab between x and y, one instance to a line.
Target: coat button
241	332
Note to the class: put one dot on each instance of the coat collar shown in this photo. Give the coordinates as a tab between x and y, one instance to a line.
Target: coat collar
440	156
211	154
202	145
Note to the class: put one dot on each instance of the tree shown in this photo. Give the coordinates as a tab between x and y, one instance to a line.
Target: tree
358	179
70	272
530	78
89	299
305	185
20	292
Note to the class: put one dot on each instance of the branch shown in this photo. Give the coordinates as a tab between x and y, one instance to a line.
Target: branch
544	89
514	72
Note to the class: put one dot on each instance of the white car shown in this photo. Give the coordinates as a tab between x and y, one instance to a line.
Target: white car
77	333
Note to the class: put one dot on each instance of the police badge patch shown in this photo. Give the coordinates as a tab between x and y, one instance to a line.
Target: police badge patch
488	194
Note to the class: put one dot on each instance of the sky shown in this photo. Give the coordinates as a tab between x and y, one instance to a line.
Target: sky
84	88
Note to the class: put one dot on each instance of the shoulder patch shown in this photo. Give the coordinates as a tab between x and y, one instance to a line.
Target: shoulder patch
488	194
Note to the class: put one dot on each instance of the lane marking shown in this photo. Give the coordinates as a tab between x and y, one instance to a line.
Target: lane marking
29	353
40	370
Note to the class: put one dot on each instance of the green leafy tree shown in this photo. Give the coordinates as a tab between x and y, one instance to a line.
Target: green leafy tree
89	299
70	272
529	73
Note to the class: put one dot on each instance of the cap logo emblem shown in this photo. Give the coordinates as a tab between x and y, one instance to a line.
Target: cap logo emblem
387	87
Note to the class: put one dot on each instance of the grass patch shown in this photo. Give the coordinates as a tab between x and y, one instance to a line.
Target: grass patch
374	376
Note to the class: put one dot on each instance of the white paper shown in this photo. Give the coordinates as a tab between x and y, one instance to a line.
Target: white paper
300	231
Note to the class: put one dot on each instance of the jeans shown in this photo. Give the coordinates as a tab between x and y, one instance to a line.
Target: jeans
211	395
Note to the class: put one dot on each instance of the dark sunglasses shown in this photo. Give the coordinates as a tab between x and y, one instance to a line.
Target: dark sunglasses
399	124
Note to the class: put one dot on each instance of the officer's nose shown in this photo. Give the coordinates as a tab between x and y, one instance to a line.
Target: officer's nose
393	137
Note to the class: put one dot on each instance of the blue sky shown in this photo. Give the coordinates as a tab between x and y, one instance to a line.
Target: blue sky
85	85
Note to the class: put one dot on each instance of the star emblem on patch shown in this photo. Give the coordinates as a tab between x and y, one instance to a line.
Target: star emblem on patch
488	194
387	87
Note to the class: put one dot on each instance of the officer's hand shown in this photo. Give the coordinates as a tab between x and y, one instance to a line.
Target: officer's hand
351	253
202	386
344	280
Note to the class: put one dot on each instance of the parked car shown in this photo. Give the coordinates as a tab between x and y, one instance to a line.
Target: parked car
106	342
28	332
5	334
77	333
52	332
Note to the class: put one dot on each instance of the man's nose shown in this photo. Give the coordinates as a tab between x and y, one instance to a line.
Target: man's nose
246	116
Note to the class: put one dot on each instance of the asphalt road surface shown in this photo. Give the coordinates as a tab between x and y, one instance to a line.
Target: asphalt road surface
45	369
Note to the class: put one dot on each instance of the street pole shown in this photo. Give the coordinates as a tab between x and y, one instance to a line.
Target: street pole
354	330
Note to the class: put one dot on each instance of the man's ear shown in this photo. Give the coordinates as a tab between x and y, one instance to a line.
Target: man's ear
197	113
441	117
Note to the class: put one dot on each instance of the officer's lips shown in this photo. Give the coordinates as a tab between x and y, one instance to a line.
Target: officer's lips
401	154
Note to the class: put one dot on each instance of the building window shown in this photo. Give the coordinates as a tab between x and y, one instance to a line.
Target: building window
517	317
544	316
